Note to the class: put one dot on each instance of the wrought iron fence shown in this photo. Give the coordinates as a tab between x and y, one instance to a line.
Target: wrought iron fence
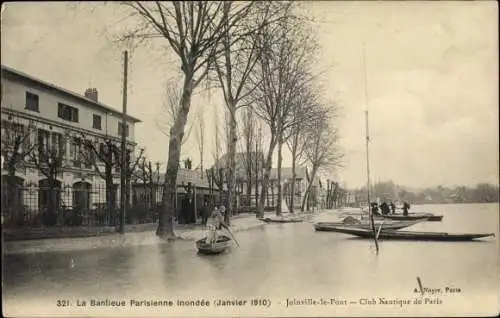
84	204
77	205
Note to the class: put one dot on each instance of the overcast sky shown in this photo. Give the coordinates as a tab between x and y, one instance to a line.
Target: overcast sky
432	73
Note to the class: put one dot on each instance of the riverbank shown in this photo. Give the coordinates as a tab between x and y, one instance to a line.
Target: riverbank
94	238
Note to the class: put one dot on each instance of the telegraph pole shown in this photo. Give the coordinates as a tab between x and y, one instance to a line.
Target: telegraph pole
124	168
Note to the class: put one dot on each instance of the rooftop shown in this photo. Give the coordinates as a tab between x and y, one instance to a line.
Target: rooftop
9	72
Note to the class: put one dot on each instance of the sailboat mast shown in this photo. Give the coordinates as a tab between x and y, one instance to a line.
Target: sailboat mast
368	186
368	161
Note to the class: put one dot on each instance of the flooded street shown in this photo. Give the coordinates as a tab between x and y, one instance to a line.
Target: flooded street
275	262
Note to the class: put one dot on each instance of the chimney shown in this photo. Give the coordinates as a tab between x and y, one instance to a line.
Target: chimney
91	93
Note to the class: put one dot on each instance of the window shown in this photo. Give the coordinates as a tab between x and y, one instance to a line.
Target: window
32	102
97	122
43	141
50	145
120	129
67	112
75	152
89	157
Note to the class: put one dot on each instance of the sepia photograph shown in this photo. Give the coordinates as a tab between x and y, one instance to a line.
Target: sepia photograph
250	159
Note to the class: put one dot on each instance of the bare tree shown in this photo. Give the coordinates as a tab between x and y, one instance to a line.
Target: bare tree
193	30
305	114
200	138
170	110
259	164
17	145
216	174
49	160
249	138
148	173
130	166
240	49
103	155
322	151
283	68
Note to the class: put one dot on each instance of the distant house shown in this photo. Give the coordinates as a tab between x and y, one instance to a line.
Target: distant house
186	207
247	190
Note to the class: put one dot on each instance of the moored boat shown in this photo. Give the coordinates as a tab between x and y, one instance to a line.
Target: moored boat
281	220
400	217
412	216
221	245
393	225
411	235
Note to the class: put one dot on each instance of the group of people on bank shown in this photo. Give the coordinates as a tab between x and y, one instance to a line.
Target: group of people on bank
388	208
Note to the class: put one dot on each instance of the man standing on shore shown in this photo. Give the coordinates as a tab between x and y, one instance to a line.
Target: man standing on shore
205	213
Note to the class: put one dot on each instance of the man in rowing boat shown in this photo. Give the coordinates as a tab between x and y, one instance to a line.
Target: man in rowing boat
212	234
219	218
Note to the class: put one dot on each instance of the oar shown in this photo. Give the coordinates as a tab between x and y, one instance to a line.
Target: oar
379	229
230	233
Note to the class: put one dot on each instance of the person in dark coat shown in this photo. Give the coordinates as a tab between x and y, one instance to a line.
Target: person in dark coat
406	207
205	214
375	208
384	207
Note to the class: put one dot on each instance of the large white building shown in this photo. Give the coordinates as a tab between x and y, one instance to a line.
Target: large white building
59	118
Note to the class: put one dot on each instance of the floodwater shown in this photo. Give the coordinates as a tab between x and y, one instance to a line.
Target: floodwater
278	263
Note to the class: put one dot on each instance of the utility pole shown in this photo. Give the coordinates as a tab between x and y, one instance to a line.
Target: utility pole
124	168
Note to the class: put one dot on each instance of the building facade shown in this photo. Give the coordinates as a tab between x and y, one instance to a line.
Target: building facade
42	123
248	191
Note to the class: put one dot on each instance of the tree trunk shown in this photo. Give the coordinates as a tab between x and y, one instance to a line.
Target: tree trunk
12	210
231	182
335	194
308	191
327	203
110	194
265	177
292	186
166	222
257	170
280	190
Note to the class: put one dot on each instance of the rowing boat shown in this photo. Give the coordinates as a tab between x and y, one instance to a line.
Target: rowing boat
392	225
221	245
411	235
281	220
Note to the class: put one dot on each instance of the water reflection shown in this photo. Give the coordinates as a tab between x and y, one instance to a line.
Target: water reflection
278	259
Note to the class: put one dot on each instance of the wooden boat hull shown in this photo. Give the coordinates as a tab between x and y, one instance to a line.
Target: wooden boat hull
414	216
222	244
400	217
411	235
284	220
411	216
394	225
